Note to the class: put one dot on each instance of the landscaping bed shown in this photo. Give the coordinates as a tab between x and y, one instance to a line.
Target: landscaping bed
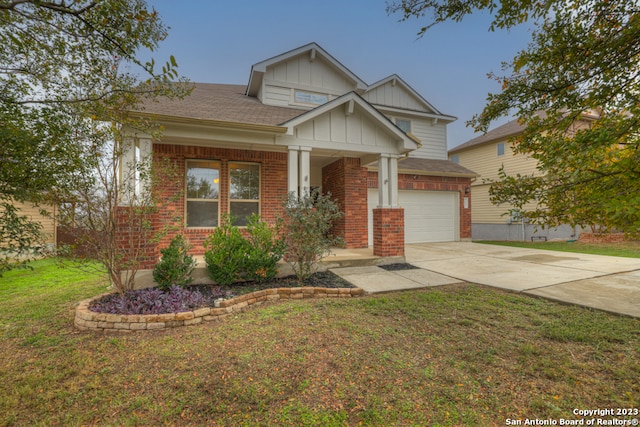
152	309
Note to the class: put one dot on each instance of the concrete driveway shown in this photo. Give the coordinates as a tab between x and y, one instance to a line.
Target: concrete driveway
602	282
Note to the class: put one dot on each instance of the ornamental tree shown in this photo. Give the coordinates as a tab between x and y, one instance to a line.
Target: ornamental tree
581	66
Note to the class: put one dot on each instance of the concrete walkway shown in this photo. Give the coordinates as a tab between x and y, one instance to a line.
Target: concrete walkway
602	282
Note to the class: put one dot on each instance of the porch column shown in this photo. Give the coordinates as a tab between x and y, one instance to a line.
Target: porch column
292	176
299	170
388	217
383	181
393	181
136	155
305	171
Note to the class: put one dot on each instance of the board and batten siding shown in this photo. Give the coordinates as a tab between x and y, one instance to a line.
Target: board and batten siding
396	96
334	127
280	80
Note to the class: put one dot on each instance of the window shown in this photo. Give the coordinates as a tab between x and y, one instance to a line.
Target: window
244	191
404	125
312	98
501	149
455	158
203	183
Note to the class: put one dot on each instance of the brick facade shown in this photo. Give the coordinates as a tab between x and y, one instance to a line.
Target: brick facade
171	211
346	180
388	232
436	183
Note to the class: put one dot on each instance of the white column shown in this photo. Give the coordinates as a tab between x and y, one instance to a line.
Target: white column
393	181
383	181
145	157
305	171
293	170
127	170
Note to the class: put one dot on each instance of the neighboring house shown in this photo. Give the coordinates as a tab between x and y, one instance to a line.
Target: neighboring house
485	155
306	121
47	222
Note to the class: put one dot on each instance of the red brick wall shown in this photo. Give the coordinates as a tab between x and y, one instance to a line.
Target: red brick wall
134	240
171	211
346	180
388	232
435	183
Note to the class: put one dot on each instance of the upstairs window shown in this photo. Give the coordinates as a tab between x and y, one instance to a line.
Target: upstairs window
244	191
404	125
203	183
455	158
500	149
309	98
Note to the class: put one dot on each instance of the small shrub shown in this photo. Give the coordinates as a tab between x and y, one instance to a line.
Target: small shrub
306	229
265	250
226	253
176	265
155	301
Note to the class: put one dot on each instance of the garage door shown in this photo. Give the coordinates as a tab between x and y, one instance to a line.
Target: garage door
429	216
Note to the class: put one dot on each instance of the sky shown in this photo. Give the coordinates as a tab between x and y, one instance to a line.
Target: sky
218	42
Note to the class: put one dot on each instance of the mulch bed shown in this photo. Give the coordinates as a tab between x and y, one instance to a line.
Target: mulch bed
323	279
398	267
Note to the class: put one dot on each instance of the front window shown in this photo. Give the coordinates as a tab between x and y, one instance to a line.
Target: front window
203	183
244	191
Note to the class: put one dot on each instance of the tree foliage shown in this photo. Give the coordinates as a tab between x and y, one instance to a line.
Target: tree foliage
582	70
64	67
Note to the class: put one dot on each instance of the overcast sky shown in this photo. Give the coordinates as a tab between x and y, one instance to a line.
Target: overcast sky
217	42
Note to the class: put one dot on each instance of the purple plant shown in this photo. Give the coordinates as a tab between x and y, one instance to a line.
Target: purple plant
156	301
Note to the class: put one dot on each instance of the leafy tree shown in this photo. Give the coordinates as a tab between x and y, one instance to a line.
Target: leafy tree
64	67
582	66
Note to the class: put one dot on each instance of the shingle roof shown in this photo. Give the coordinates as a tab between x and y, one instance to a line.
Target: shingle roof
431	166
501	132
439	167
223	102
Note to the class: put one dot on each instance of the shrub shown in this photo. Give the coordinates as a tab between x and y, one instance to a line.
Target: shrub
306	229
226	252
266	249
176	265
230	256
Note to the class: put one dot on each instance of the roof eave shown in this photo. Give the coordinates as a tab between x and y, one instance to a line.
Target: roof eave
222	124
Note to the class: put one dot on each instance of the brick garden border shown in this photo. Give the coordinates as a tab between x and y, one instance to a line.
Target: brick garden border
86	319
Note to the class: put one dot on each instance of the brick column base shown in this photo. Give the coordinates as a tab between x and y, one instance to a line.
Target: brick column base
388	232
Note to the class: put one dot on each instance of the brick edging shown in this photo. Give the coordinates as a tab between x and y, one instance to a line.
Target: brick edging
86	319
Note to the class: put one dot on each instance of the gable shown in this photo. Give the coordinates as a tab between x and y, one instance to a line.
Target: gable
394	96
396	93
304	78
356	129
348	124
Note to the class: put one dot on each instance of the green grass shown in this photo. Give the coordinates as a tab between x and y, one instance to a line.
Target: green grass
630	249
446	356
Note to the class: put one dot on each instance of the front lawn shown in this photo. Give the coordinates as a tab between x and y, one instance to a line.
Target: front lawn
453	355
630	249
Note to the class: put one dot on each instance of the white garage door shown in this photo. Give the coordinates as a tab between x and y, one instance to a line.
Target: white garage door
429	216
